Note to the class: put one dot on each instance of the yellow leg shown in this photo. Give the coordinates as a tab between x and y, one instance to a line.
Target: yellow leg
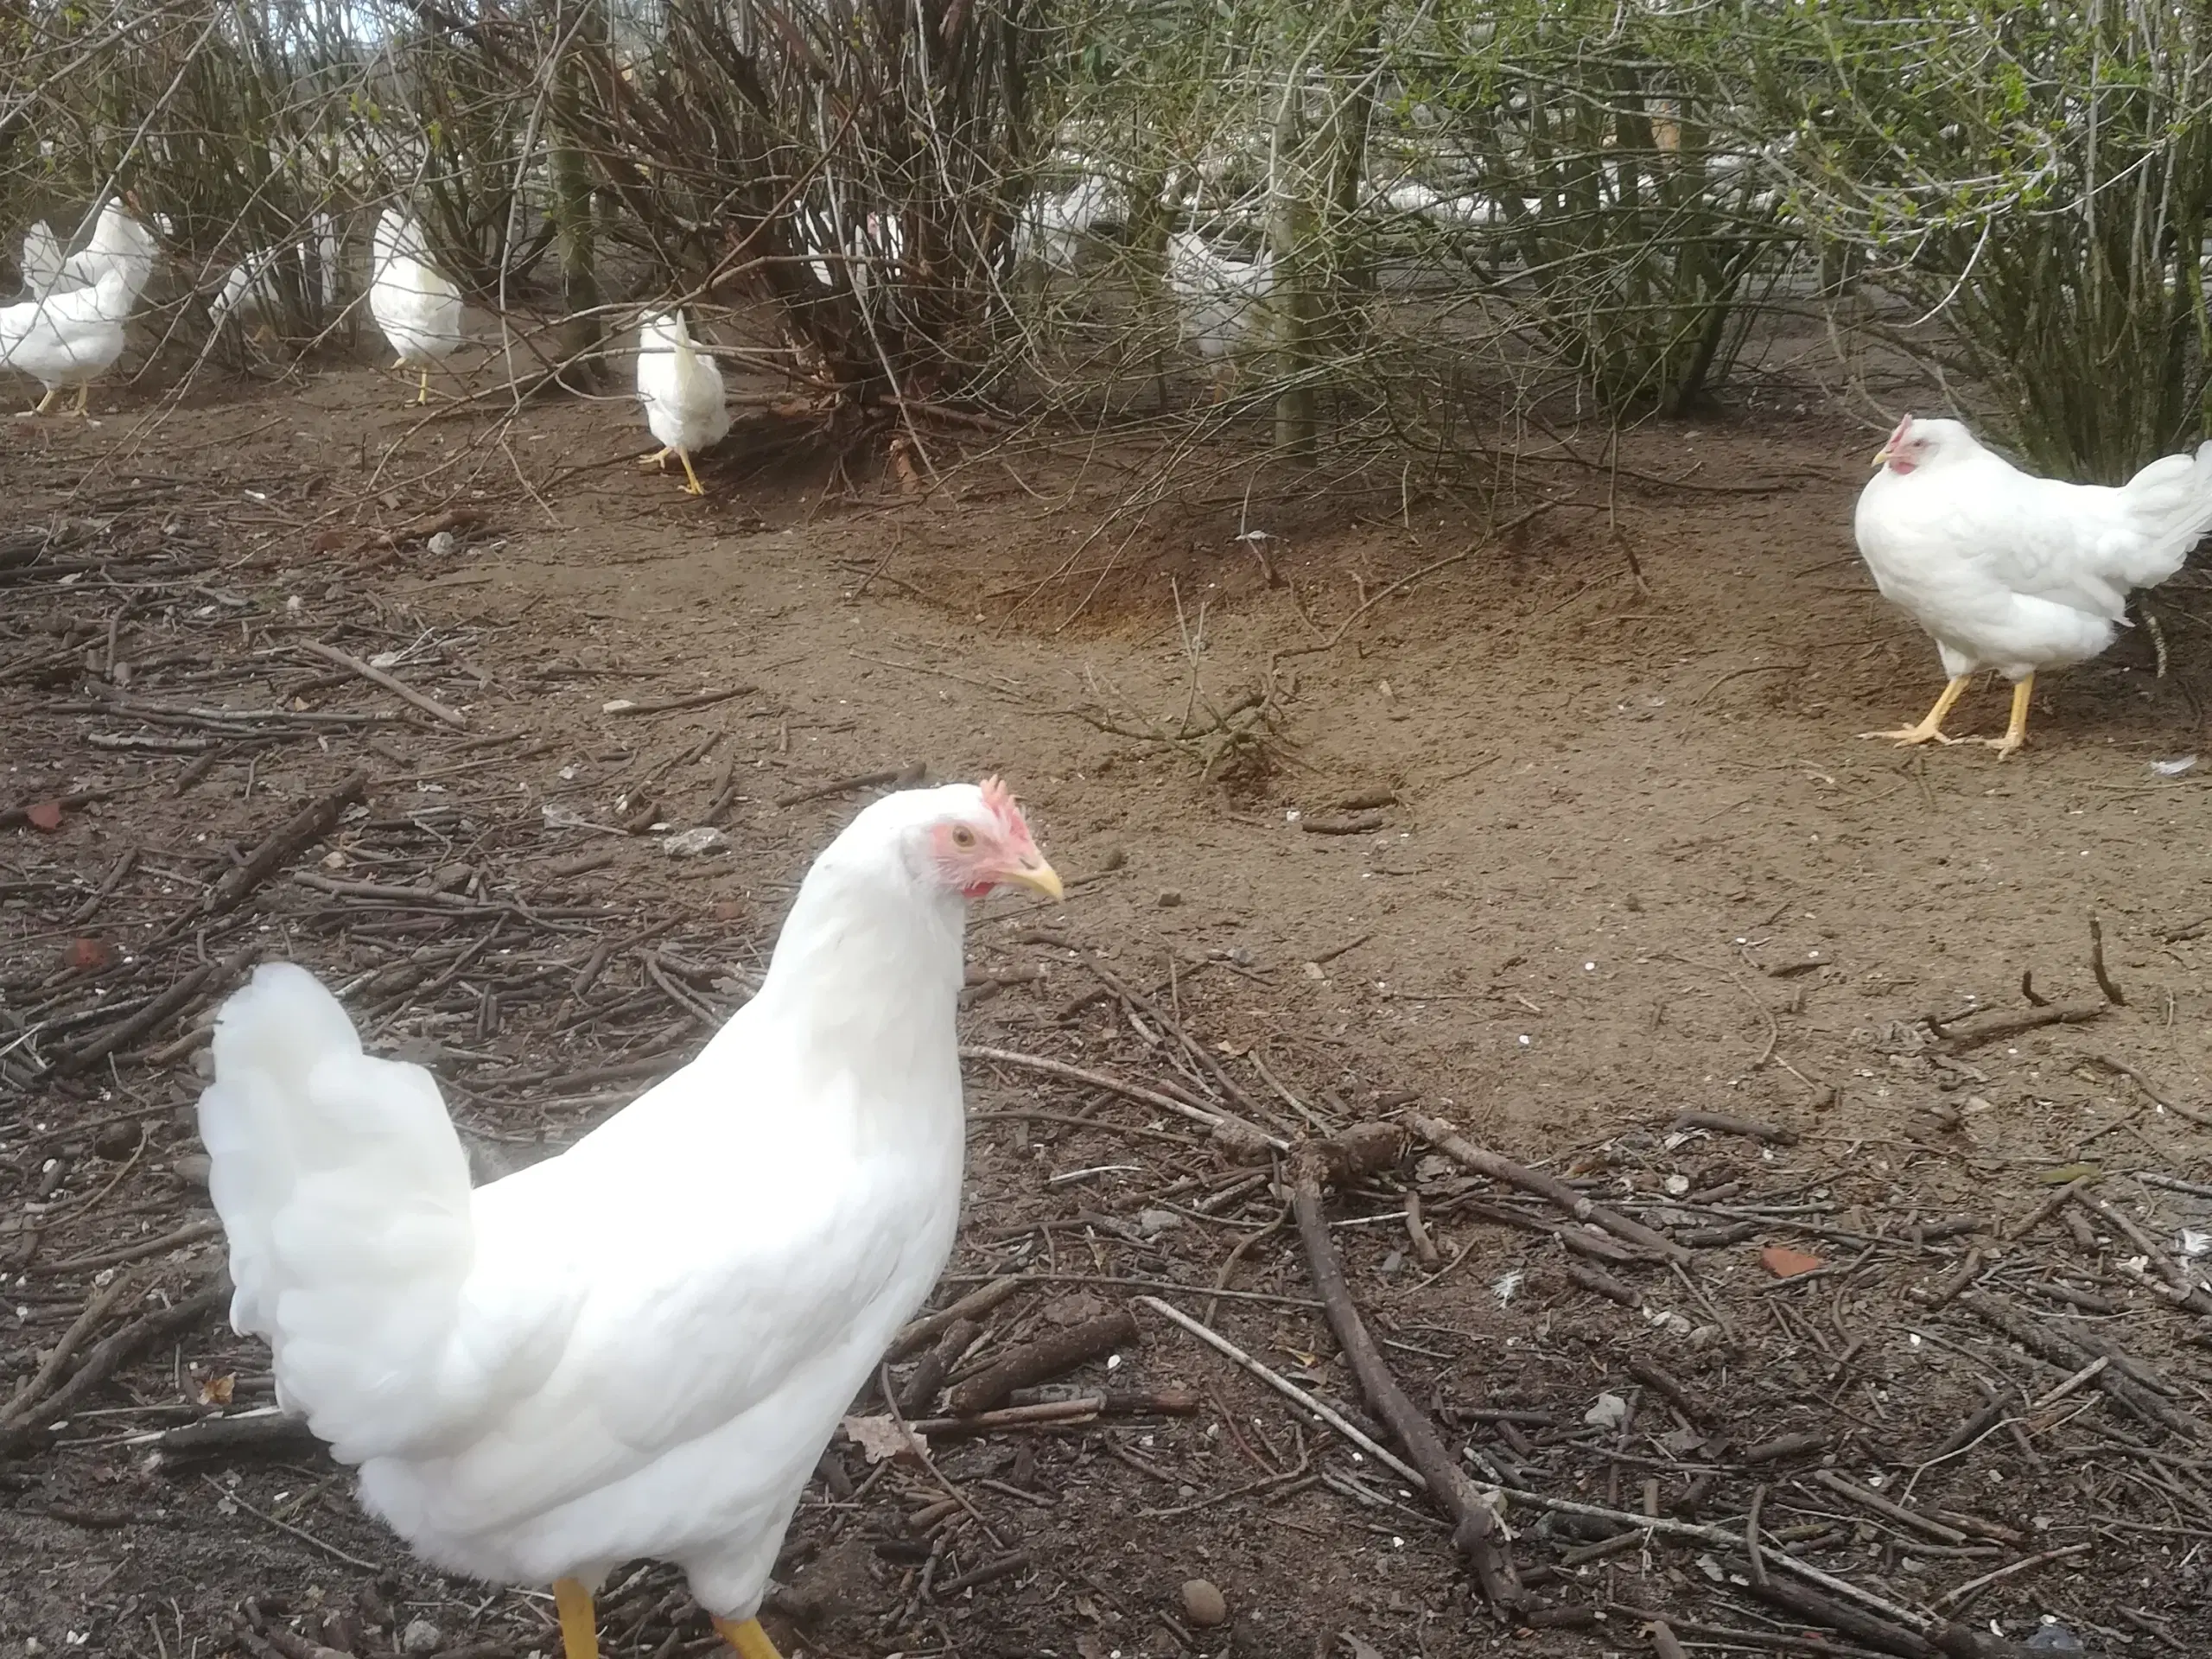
400	367
693	488
424	395
2016	729
748	1638
579	1633
657	462
85	400
1931	730
47	401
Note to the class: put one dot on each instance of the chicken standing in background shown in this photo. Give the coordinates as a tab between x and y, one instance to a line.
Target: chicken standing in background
67	339
414	303
1222	300
119	243
640	1347
2013	572
682	391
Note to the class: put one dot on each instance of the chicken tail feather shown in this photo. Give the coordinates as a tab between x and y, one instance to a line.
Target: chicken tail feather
2171	504
345	1193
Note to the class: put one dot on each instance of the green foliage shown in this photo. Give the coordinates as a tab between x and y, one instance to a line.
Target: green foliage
2031	182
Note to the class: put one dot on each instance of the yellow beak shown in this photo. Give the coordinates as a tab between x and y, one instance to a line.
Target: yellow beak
1881	455
1039	877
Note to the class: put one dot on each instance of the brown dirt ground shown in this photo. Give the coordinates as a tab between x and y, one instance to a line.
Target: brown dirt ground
1630	861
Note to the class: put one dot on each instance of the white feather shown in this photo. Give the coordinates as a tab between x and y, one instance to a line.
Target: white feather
250	291
680	386
42	262
119	243
415	304
1222	300
2015	572
638	1348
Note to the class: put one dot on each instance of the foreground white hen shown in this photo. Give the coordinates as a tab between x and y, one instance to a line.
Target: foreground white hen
2013	572
640	1347
682	389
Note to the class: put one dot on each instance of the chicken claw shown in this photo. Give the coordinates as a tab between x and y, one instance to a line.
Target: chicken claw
1930	729
2016	729
748	1638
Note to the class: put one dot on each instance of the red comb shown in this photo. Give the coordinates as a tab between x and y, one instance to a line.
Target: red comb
1902	426
999	801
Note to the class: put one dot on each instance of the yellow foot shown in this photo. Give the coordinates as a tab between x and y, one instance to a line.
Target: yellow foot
1930	729
84	402
579	1631
2016	729
693	487
655	462
47	401
1923	733
748	1638
423	396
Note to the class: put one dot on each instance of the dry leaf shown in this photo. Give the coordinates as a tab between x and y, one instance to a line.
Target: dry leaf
216	1390
1360	1649
85	955
880	1438
45	817
1785	1263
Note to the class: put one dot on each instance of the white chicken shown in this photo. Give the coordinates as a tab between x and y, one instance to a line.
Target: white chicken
415	304
253	289
1222	300
640	1347
682	391
67	339
2013	572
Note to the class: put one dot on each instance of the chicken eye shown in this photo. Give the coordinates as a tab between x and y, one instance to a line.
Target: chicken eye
962	836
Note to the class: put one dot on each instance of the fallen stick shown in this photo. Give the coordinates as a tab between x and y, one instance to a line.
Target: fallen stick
102	1302
1289	1389
2065	1551
391	682
2038	1337
191	1233
1475	1527
1044	1359
2051	1205
2066	1014
168	1004
1212	1120
284	843
1933	1634
1463	1152
2186	1292
270	1430
1852	1492
623	709
1721	1123
913	774
101	1361
919	1333
929	1374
